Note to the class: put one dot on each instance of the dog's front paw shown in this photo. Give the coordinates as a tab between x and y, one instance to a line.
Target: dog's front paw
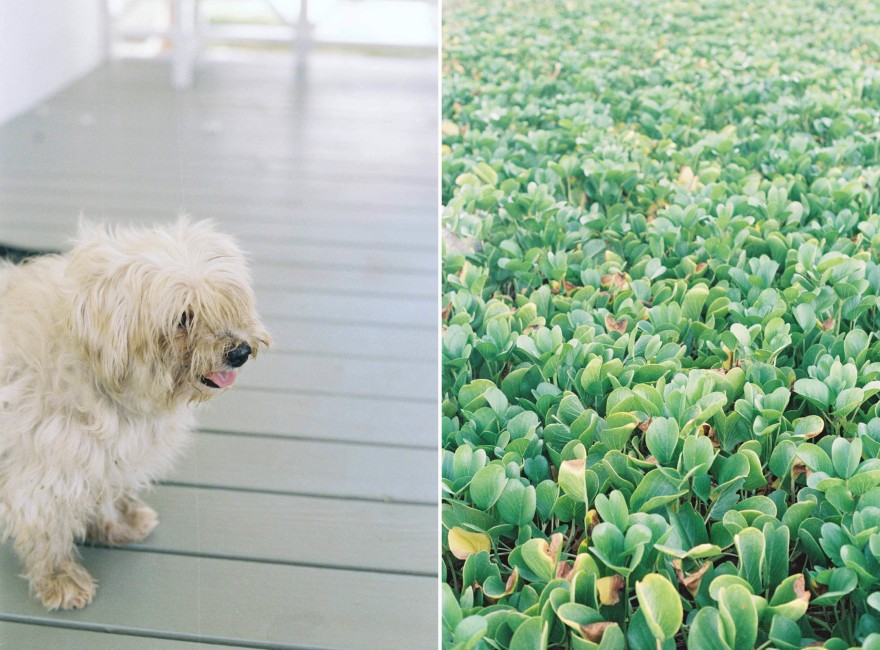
68	587
132	521
140	520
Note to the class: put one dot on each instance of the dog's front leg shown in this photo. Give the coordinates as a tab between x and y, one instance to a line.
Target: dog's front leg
55	576
122	521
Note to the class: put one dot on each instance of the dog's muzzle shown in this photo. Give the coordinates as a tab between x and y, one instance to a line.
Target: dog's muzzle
238	355
235	358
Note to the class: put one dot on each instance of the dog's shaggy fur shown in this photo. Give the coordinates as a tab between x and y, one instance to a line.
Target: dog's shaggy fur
102	351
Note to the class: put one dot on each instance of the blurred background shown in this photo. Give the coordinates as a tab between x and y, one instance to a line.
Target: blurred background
305	515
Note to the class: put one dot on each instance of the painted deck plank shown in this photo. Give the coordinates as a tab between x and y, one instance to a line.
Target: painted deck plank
358	340
59	229
309	468
238	174
406	381
311	208
21	636
203	200
207	599
303	531
331	418
407	313
313	211
290	190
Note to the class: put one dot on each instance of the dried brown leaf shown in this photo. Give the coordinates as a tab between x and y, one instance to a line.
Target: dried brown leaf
691	581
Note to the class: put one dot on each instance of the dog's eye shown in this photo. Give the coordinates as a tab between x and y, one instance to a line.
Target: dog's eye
184	320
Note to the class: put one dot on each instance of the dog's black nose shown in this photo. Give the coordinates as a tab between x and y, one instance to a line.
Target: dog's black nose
237	356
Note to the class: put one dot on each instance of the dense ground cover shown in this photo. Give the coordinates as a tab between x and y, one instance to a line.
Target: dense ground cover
661	368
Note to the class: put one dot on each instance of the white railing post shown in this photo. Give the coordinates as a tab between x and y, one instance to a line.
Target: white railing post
184	40
303	36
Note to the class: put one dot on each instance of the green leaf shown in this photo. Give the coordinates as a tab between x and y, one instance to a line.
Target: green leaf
530	635
608	544
808	427
846	456
487	485
661	605
805	317
750	546
815	458
697	454
639	635
707	631
539	558
517	503
785	633
654	491
814	391
469	631
613	509
662	439
450	609
572	479
738	616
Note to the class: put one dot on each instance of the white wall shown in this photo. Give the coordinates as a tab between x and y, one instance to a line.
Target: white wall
44	46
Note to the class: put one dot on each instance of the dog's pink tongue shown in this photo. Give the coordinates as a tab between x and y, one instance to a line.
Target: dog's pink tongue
223	379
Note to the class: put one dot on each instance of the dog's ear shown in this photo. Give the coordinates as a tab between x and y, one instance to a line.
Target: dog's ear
101	314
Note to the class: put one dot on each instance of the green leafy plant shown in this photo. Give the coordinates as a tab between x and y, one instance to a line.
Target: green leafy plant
660	367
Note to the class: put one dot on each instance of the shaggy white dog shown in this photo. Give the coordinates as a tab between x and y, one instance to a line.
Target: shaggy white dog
102	352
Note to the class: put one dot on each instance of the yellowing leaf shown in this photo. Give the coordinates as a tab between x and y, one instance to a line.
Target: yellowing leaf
449	128
464	543
609	589
687	179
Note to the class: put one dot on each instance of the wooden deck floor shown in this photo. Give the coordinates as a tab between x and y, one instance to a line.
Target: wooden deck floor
305	514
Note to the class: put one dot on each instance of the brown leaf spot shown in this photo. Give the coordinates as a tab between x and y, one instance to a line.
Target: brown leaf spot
555	543
709	431
700	267
563	570
447	310
827	324
800	589
615	325
592	520
728	363
615	281
609	589
594	631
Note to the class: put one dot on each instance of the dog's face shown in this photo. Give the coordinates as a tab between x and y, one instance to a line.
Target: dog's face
164	315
